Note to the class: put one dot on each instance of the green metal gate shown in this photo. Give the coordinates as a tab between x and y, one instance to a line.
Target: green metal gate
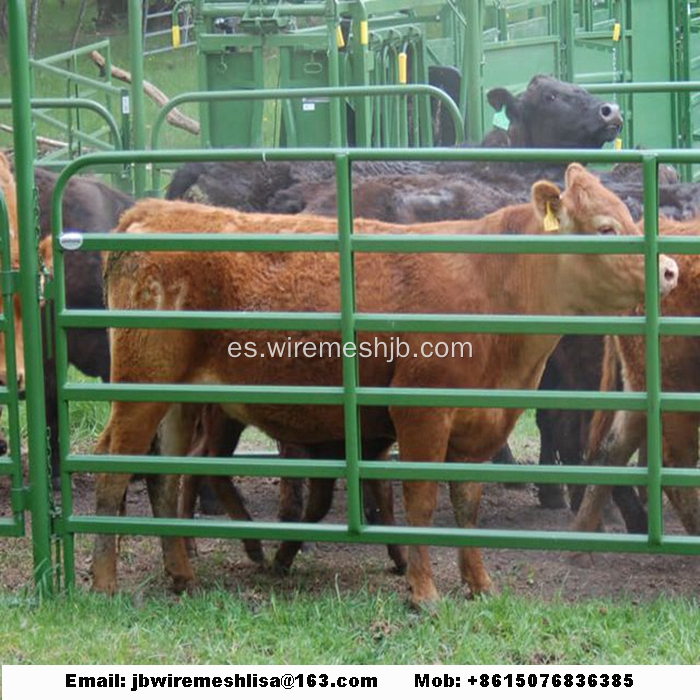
12	520
348	322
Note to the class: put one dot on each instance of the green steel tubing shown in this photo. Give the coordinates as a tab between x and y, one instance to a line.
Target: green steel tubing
653	350
366	396
379	534
75	103
250	465
81	80
353	439
644	87
12	465
292	93
138	105
376	396
72	54
334	74
31	317
384	323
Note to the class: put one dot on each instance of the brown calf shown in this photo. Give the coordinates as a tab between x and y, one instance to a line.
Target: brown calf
616	436
395	284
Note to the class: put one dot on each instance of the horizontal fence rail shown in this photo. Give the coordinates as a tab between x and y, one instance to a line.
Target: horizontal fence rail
347	322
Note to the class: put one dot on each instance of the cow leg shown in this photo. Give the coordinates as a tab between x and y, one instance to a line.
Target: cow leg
681	450
466	498
234	505
130	430
550	496
175	435
626	433
317	507
189	488
379	508
423	436
291	500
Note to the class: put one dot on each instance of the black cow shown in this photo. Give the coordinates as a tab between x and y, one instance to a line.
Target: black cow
550	113
88	206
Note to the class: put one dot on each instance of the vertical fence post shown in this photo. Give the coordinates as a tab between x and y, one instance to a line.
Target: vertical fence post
347	312
138	108
29	288
472	73
652	345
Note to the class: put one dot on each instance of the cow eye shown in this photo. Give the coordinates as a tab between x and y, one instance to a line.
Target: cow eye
607	230
551	97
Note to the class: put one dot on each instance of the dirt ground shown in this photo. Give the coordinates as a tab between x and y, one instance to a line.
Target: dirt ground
325	566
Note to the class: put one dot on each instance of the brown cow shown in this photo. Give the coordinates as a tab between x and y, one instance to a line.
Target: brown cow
391	283
7	184
616	436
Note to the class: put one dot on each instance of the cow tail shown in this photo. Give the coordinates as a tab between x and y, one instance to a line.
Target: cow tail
611	380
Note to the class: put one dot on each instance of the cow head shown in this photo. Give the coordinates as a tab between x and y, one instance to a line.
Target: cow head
554	114
610	282
7	184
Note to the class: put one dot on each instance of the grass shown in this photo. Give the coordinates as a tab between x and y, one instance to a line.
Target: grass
363	628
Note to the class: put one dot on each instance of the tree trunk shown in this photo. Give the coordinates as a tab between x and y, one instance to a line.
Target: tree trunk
33	22
108	11
79	23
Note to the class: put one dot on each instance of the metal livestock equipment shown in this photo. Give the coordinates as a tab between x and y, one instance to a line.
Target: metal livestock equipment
464	47
53	526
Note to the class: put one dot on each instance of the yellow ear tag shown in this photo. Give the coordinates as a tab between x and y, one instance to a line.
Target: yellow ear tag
618	144
551	223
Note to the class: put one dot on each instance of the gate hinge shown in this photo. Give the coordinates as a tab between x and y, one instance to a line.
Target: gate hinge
9	282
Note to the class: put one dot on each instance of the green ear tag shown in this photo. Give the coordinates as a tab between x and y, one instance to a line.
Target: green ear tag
500	120
551	223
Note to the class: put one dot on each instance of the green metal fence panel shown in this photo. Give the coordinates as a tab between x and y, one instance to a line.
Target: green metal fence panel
12	513
352	396
39	498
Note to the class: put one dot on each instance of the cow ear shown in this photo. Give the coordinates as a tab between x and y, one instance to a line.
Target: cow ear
500	97
546	198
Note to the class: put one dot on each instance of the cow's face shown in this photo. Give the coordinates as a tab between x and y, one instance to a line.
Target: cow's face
554	114
605	282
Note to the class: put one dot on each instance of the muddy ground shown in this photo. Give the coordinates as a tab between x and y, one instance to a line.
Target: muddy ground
326	567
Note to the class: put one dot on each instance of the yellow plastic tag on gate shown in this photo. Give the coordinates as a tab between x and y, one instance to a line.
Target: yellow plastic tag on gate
617	31
176	36
339	37
551	223
364	32
618	144
403	68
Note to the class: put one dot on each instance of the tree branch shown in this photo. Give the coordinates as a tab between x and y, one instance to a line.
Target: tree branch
175	116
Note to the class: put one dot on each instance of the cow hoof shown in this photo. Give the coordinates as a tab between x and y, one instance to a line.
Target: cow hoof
255	552
581	560
551	497
182	584
396	554
279	568
399	569
424	606
104	586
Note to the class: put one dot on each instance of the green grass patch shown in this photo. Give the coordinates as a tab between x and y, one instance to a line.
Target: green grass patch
225	628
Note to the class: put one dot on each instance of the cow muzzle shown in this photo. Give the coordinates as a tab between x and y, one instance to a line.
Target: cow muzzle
668	274
610	113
